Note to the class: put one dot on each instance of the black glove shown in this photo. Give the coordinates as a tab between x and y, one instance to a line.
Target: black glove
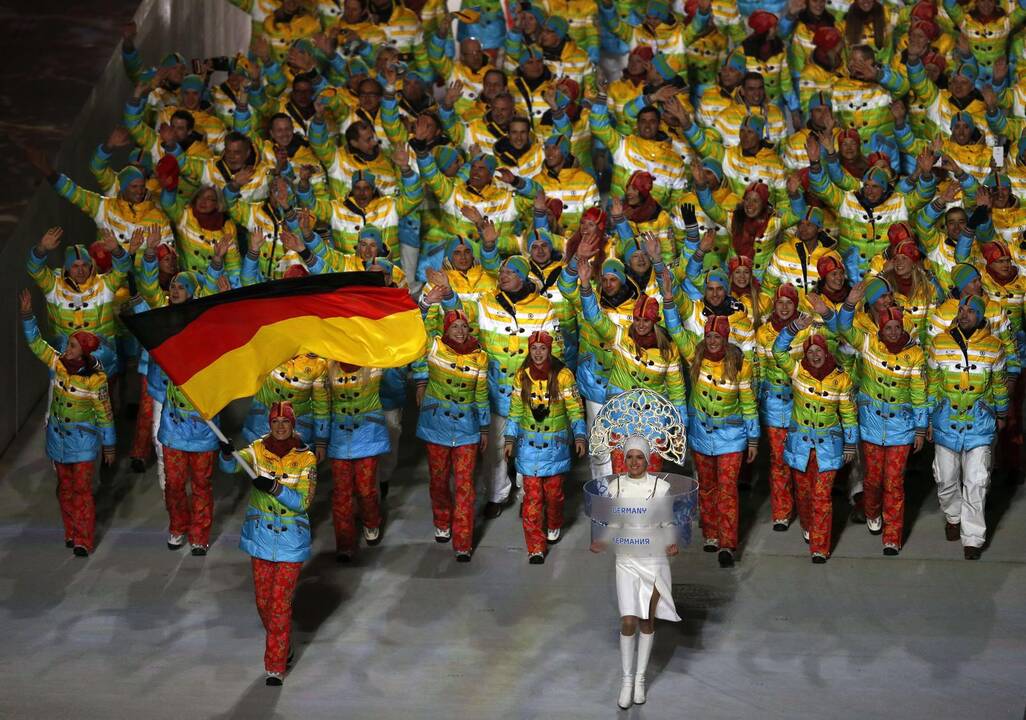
978	217
262	482
227	449
687	211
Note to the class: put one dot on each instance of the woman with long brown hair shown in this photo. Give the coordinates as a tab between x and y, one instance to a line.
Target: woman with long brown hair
545	416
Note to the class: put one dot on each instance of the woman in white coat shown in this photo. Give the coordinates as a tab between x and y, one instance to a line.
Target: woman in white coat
643	584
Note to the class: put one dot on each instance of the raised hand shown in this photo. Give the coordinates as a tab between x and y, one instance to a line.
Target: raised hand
119	137
452	94
243	176
990	97
663	94
652	248
541	201
152	238
616	206
307	221
290	241
708	241
803	321
222	246
51	239
25	302
858	292
471	213
1000	70
687	213
439	280
506	175
136	241
489	235
401	157
812	148
948	192
666	285
256	240
817	303
108	241
39	160
584	272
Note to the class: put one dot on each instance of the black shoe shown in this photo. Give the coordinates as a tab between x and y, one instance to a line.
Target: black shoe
492	510
462	557
890	551
199	550
383	492
274	680
82	552
69	544
952	531
858	511
971	553
343	557
710	546
726	558
138	466
818	559
780	526
537	559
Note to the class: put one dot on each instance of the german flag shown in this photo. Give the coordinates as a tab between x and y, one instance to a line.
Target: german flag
221	347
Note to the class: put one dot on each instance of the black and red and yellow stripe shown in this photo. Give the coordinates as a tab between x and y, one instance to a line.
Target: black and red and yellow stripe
221	347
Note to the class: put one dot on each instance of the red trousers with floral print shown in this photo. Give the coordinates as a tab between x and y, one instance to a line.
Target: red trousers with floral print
75	495
459	463
274	584
655	462
542	496
781	484
883	487
142	443
717	496
189	516
815	506
359	476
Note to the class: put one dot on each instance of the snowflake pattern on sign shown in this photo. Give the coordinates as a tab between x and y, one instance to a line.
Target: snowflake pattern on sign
639	412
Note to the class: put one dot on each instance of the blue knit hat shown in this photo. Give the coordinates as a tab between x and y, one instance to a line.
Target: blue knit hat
755	123
718	276
540	234
373	233
519	265
820	99
736	60
456	242
557	25
488	160
715	167
815	216
969	69
172	59
367	176
530	52
188	280
962	116
446	156
76	252
128	174
192	82
659	9
963	274
878	176
559	140
875	289
612	266
976	304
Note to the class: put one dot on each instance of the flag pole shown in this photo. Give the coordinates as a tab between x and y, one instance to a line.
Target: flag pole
235	453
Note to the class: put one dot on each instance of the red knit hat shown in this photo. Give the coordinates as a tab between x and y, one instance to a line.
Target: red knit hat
451	317
888	314
540	336
646	308
828	263
923	10
848	134
596	215
719	324
642	181
994	251
87	341
167	171
897	232
935	58
759	188
738	261
644	52
761	22
929	28
908	248
787	290
815	339
826	38
555	206
282	409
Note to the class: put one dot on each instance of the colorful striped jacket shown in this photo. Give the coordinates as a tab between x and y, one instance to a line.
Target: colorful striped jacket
455	409
301	381
544	430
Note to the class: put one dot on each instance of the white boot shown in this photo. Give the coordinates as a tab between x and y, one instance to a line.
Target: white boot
644	652
627	662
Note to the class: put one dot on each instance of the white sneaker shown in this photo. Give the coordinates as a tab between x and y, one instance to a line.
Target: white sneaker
442	535
875	525
626	692
372	535
805	536
553	535
639	689
175	542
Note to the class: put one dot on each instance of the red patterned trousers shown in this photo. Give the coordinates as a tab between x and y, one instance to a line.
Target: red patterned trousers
781	485
815	507
189	516
359	476
75	495
717	496
456	462
542	496
883	487
142	443
655	462
274	584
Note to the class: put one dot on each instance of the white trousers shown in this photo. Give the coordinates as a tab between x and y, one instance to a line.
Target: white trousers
598	469
409	257
387	462
157	447
493	464
962	482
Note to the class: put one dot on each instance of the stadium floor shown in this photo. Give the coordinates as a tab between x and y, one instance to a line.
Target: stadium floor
405	632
